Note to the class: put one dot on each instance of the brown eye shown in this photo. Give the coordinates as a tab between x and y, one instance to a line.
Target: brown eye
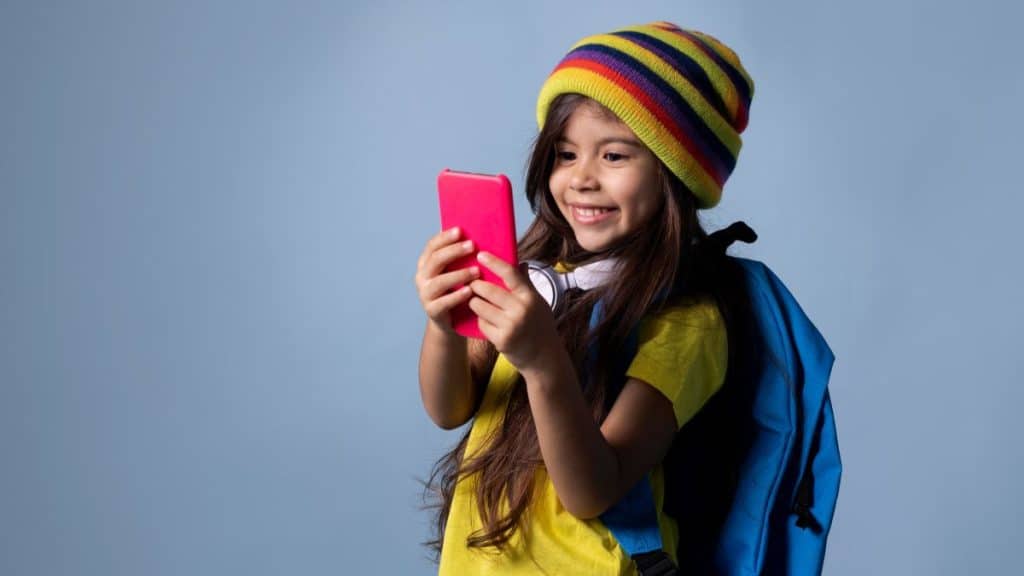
565	156
614	156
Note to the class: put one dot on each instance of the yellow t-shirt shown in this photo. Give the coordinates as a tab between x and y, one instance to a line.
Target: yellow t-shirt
682	352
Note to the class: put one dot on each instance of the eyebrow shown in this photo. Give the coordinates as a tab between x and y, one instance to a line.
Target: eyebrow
609	140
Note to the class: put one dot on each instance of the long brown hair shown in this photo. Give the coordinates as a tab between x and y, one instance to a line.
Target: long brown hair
659	259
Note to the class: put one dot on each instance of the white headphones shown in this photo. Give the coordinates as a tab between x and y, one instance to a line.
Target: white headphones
552	284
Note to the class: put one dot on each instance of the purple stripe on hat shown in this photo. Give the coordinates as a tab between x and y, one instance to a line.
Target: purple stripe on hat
682	62
742	88
603	55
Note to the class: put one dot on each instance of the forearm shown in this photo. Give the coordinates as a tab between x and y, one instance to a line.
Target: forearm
583	467
446	383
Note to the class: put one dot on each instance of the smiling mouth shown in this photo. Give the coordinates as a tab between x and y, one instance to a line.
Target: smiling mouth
591	214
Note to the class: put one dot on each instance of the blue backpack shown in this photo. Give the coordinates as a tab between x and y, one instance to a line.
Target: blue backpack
753	478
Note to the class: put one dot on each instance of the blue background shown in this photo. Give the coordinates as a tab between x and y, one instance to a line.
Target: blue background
210	217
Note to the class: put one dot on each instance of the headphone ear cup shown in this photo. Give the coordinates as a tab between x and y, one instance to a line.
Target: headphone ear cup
545	282
561	286
553	285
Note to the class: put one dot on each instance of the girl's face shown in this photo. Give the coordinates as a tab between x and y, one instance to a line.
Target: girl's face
604	180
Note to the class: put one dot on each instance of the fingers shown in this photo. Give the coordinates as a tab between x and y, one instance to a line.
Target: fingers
490	331
436	287
438	298
441	259
439	307
486	311
428	261
433	263
443	237
443	283
509	274
516	321
494	294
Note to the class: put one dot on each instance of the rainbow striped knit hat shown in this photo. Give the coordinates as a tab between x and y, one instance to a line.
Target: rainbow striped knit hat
683	93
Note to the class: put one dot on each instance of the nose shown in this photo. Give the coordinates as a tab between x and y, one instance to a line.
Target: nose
582	177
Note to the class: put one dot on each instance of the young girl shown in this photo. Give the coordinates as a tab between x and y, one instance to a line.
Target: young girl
639	128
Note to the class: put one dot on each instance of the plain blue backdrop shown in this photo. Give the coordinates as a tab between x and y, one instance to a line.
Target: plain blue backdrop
210	217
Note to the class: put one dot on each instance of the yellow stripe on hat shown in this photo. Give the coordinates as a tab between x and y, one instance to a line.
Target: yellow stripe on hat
712	118
728	55
719	78
644	124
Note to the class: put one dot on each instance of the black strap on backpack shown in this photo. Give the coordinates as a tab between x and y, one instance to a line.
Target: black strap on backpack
720	240
655	563
805	493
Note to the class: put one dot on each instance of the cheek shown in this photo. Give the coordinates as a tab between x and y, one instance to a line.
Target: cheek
654	207
556	184
654	196
647	203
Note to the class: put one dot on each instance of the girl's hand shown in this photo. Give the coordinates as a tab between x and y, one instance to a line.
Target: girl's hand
434	285
517	321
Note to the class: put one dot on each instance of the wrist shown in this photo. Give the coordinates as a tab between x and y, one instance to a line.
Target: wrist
446	334
551	366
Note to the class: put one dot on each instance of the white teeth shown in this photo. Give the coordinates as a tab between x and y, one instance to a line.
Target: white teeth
591	211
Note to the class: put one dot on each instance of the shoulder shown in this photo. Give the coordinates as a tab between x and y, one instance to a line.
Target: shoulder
682	351
683	315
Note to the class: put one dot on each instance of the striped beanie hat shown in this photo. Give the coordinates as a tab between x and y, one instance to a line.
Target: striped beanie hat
683	93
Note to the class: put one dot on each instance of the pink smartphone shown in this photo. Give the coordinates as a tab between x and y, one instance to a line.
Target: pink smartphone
481	206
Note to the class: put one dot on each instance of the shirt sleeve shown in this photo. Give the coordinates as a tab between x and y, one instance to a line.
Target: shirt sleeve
683	353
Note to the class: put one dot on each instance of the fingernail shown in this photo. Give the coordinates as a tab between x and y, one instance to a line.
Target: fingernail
468	244
483	255
474	270
453	232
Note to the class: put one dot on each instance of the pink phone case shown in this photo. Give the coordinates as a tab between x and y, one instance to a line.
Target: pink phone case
480	205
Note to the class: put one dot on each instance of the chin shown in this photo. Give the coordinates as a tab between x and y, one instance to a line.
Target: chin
595	245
